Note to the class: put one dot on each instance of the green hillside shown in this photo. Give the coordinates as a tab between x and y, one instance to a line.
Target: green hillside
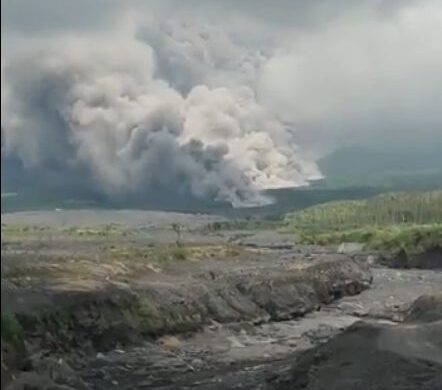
410	221
381	210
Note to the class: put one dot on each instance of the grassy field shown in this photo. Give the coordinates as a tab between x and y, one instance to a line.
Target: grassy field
411	221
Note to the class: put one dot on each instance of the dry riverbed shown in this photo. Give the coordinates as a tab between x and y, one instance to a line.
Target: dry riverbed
122	300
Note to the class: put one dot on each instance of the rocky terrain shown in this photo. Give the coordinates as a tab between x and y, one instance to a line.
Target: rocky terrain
377	356
128	300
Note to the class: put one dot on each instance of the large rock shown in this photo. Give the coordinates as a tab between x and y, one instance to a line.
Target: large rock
373	356
425	309
431	258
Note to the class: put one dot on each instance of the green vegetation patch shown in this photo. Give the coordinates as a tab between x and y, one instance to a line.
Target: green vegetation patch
411	221
382	210
411	239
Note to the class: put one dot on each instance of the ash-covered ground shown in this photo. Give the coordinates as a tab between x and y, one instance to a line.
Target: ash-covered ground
153	300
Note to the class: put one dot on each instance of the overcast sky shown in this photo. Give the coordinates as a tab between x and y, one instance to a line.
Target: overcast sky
337	72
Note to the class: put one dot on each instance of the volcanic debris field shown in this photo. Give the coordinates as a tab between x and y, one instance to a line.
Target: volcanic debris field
102	299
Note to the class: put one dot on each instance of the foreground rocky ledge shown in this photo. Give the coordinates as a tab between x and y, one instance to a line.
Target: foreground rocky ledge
153	304
89	315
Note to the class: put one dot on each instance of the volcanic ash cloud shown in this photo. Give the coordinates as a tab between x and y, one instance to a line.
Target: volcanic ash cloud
100	108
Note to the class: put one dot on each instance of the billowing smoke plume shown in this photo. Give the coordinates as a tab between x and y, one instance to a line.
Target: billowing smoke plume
112	111
215	100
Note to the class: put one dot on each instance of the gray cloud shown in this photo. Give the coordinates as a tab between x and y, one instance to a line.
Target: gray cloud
362	78
71	103
46	15
30	17
221	99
